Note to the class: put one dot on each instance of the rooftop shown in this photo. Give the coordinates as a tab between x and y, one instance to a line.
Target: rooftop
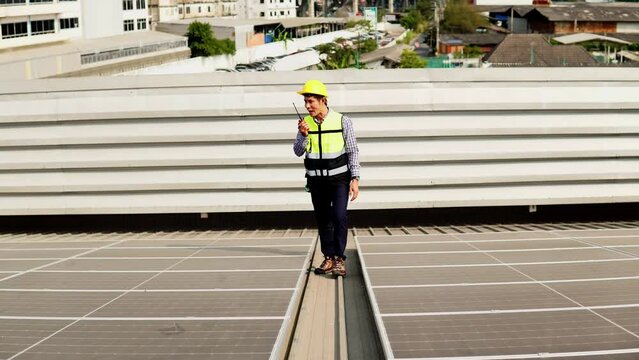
392	53
583	37
287	23
589	13
446	291
87	46
534	50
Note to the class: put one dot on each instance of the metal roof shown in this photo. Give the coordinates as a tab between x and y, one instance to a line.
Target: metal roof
83	46
583	37
287	22
589	13
392	53
534	50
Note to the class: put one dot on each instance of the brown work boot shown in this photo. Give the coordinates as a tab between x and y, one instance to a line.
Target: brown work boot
339	269
326	266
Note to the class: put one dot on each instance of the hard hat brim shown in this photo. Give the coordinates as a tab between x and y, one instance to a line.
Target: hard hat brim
304	93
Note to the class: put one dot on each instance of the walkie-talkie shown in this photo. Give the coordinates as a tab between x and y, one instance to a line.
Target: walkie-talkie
306	187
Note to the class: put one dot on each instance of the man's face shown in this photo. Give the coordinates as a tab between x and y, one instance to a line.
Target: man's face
313	105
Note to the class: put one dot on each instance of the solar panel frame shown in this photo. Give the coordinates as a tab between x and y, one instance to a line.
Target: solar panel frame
619	252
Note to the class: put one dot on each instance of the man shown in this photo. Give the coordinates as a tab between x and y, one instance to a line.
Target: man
332	170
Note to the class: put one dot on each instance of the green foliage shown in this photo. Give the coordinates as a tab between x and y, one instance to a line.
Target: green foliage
363	25
414	20
469	52
281	36
459	17
203	43
408	38
426	8
336	55
367	45
410	60
381	12
633	47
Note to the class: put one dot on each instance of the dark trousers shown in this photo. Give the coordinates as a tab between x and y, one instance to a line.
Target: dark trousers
330	199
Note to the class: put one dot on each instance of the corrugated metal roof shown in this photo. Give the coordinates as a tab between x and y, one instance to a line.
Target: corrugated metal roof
583	37
534	50
589	13
475	39
287	23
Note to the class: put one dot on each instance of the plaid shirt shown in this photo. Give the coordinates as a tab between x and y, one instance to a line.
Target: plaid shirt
299	147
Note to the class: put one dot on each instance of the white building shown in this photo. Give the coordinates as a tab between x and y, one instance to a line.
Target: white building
172	10
55	38
32	22
109	18
270	9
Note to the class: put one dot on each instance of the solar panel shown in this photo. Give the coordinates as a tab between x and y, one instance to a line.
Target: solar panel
195	297
505	295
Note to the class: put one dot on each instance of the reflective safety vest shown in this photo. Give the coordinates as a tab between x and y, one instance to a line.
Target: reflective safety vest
326	149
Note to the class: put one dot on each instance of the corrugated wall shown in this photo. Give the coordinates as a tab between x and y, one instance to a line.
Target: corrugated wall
223	142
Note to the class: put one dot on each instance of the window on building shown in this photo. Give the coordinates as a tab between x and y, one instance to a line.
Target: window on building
262	14
180	11
141	4
188	10
40	1
11	2
127	4
13	30
39	27
69	23
128	25
209	9
66	0
141	24
261	1
282	12
288	12
199	9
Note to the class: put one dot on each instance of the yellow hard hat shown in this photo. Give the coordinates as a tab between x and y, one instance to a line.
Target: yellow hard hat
314	87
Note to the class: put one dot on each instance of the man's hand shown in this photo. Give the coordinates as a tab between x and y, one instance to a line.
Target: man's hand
354	190
302	127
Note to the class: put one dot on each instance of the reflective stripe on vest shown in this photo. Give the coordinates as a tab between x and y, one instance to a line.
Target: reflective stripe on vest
326	149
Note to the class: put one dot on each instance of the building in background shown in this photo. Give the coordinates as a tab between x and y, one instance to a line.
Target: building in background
114	17
270	9
36	22
55	38
172	10
30	22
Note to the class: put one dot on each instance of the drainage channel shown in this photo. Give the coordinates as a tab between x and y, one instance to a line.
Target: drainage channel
334	320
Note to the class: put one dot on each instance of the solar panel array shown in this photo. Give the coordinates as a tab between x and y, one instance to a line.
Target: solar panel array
183	295
507	293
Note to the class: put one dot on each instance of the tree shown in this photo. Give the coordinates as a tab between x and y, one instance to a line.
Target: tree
426	8
459	17
410	60
336	55
359	25
203	43
414	20
469	52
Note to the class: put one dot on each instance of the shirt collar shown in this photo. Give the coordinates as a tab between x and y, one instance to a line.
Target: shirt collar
327	114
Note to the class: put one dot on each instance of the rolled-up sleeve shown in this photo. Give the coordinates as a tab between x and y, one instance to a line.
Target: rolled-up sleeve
352	151
299	147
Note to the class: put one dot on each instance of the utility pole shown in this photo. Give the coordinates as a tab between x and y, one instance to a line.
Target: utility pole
436	28
512	18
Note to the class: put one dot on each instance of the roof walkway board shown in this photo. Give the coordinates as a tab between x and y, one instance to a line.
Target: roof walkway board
530	291
151	295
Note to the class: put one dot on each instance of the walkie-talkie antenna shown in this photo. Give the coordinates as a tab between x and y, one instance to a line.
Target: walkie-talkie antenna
298	113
